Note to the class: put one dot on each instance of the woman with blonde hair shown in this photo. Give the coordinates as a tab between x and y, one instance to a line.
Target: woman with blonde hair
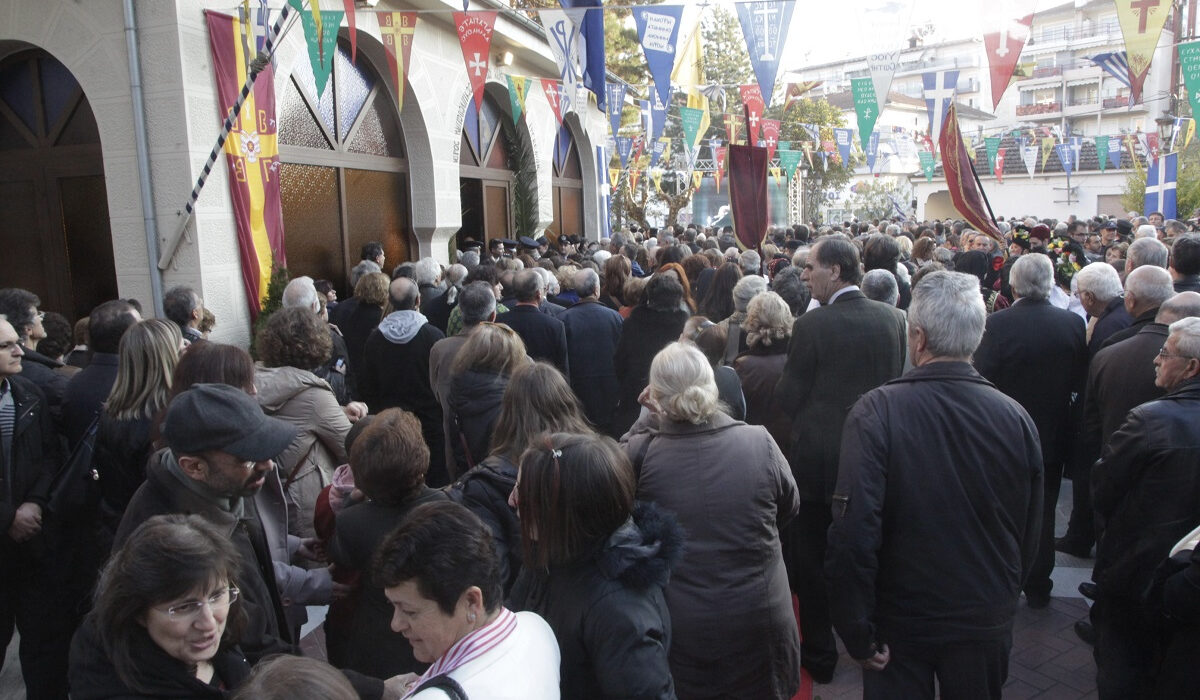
357	316
768	328
732	629
479	376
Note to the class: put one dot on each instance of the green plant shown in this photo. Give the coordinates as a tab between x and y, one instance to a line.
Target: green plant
524	189
273	302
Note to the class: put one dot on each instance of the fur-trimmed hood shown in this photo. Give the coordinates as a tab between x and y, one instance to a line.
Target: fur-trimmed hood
642	552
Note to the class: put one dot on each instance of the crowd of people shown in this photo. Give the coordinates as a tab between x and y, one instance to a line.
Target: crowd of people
656	465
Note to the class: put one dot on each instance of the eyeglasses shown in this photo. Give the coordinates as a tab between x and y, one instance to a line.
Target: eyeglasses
1162	352
221	600
41	315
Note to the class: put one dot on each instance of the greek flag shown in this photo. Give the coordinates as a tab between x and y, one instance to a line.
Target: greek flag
1115	64
1160	186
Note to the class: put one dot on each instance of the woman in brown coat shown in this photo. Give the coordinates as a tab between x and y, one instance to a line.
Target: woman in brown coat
768	327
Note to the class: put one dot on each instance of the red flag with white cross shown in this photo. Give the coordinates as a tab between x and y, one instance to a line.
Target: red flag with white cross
475	35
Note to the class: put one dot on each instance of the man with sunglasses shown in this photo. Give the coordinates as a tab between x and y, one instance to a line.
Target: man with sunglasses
1145	491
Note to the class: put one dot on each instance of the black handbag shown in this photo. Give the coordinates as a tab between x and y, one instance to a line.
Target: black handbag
75	485
447	685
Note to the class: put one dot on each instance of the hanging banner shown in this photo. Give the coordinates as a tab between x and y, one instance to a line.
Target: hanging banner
658	31
1152	146
320	33
720	154
770	136
940	87
885	26
1161	182
872	150
475	36
965	191
752	104
589	21
843	137
688	74
999	169
656	178
1102	152
1141	24
865	107
567	46
765	26
808	153
518	89
697	178
795	91
396	30
689	119
658	116
1006	25
656	152
553	93
731	128
1065	156
813	131
614	177
615	99
252	155
1047	147
748	202
1189	67
348	6
992	144
639	145
1029	156
1114	152
789	160
927	165
624	148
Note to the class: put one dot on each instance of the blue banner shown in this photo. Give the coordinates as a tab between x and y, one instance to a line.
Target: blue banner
624	148
872	150
615	100
658	31
591	28
1066	156
813	131
644	108
765	25
658	116
657	151
843	137
1114	151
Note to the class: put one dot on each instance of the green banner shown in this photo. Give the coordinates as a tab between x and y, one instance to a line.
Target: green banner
691	117
1189	65
993	147
1102	151
927	164
783	145
866	106
789	160
322	46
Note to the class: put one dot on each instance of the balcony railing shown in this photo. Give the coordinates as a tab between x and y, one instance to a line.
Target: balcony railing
1047	72
1111	102
1042	108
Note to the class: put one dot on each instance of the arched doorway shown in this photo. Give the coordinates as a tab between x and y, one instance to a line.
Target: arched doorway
344	178
568	185
54	227
486	179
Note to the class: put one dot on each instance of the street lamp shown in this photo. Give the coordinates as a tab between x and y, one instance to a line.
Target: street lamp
1165	124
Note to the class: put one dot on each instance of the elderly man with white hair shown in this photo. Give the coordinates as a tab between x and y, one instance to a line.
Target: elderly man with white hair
933	533
1146	231
1145	488
1146	251
880	285
593	331
1098	288
301	292
1146	288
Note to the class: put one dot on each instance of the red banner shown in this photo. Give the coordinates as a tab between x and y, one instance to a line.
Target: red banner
349	7
553	92
720	153
475	35
752	103
960	178
1000	165
770	137
748	194
396	29
1003	47
252	154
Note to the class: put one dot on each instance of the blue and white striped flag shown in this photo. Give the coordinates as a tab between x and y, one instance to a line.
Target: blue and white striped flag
1115	64
1160	186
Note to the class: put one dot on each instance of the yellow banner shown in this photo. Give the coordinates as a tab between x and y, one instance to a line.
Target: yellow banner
656	178
614	176
1141	25
1047	147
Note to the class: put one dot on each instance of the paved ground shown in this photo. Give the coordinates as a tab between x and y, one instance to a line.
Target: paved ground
1048	661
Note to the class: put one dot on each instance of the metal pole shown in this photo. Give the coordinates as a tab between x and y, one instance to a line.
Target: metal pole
142	144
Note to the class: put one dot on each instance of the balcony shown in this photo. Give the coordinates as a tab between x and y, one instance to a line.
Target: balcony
1114	102
1043	110
1047	72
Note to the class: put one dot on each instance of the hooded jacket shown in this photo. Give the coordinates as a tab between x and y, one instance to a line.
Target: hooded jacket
306	401
474	407
609	612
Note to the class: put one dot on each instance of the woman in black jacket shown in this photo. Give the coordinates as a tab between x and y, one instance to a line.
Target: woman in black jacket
597	567
477	380
649	328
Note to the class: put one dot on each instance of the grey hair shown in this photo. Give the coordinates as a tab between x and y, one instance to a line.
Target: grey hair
1187	336
1150	285
880	285
477	302
750	262
1031	276
427	271
1181	305
949	308
601	256
746	289
470	259
768	320
551	282
945	257
681	381
1146	231
892	230
455	274
527	284
587	282
1101	279
302	293
1147	251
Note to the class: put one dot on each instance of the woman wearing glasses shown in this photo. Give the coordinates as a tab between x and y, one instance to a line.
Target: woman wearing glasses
165	617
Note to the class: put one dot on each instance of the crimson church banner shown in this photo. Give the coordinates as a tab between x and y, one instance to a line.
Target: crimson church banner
748	200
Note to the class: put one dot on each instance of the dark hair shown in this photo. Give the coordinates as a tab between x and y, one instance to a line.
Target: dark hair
205	362
179	303
16	304
107	323
712	342
663	293
294	337
788	284
717	304
389	459
538	399
405	269
445	549
165	558
408	295
880	252
483	273
1185	255
574	491
287	677
58	335
616	270
323	286
693	265
371	250
836	250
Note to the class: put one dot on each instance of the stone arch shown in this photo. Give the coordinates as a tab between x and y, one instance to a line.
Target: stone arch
589	169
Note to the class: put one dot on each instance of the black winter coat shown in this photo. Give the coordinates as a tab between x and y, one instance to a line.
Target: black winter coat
122	449
33	465
39	369
644	333
474	406
609	613
484	491
86	393
93	676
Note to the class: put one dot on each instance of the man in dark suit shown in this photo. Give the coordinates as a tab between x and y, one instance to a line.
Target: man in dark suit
593	331
88	390
1036	353
1146	288
544	335
839	351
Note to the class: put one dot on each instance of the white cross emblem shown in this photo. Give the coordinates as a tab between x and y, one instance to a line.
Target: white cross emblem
766	12
771	141
753	120
477	65
1011	28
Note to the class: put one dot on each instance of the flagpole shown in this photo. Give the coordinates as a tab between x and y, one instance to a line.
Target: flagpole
983	194
260	62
